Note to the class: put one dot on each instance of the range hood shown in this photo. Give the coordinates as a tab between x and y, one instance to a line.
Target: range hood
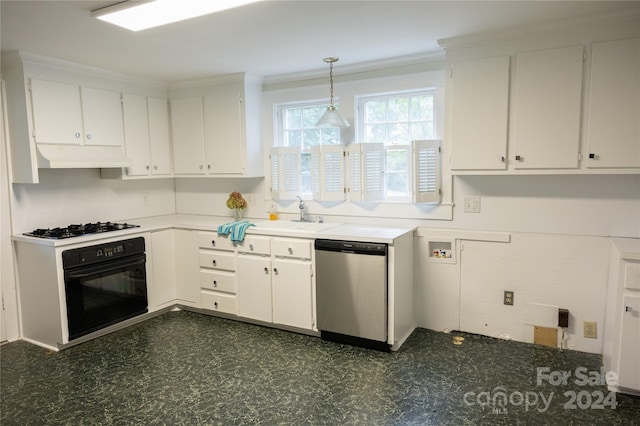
81	157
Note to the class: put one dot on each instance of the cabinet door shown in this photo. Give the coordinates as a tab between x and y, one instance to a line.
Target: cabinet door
548	93
102	117
162	288
480	111
292	301
224	129
136	134
254	287
629	358
159	138
187	122
613	133
187	267
57	112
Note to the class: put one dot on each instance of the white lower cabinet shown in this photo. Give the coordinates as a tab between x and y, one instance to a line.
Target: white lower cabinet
275	281
161	286
217	273
254	287
187	285
292	293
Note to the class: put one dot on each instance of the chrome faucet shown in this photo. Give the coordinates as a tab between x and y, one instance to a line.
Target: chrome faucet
301	207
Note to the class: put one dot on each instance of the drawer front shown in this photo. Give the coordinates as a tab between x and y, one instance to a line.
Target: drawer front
255	245
219	302
290	247
218	281
211	240
217	260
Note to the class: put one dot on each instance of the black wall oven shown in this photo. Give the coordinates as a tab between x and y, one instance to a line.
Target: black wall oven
104	284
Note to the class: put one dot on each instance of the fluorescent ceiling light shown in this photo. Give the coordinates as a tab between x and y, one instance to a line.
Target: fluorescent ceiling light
136	15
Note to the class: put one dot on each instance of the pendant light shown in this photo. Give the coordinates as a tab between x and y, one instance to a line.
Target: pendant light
332	117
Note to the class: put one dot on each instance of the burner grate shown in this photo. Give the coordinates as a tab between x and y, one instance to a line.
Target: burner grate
74	230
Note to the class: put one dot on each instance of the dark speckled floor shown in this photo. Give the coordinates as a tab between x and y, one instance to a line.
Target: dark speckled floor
188	368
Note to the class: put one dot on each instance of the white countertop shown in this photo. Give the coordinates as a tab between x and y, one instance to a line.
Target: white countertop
327	230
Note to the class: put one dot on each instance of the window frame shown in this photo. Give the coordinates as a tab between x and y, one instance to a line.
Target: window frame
360	101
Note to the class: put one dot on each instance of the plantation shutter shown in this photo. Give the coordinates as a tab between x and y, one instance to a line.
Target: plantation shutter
365	166
285	173
426	163
327	172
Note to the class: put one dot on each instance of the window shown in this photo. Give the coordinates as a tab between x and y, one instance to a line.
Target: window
296	128
395	120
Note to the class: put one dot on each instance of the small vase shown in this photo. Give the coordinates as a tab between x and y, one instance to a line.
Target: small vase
237	214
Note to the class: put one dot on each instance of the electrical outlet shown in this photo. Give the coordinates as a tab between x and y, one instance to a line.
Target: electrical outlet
508	297
251	199
591	329
472	204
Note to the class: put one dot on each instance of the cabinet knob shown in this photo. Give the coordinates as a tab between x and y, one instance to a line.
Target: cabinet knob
215	305
155	167
290	250
215	283
200	166
628	309
251	247
209	166
518	158
147	167
275	271
213	243
266	270
502	159
592	156
214	262
88	135
77	135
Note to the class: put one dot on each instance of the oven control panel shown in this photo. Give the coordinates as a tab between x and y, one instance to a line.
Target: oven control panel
102	252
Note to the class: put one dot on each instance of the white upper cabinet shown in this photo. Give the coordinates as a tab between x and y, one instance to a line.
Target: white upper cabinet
147	140
613	131
216	128
159	136
57	112
480	111
187	123
102	117
68	114
548	94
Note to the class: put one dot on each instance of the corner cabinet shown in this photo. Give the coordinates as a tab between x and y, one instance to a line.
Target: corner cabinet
613	132
216	128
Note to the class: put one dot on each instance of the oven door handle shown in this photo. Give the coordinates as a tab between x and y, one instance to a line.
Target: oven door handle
94	268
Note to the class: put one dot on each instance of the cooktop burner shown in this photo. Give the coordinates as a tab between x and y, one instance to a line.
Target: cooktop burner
79	230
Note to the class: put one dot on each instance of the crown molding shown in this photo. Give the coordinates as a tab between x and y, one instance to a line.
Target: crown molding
623	15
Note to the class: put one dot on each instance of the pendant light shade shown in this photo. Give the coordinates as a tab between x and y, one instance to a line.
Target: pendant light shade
332	117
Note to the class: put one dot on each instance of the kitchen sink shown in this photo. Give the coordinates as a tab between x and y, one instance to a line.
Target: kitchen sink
291	226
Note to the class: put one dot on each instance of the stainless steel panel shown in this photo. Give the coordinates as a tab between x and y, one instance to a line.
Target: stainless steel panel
352	294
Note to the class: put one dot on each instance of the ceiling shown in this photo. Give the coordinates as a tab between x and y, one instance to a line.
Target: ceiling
272	38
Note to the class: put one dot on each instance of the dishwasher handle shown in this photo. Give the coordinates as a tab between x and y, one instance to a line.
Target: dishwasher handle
355	247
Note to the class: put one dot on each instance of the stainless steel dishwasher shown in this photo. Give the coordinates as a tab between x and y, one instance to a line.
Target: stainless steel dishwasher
351	292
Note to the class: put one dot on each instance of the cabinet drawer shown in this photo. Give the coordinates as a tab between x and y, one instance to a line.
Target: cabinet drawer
255	245
218	281
217	260
212	240
218	302
290	247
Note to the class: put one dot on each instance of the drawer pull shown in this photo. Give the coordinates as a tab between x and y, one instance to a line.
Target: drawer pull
290	250
213	243
215	283
275	271
251	247
266	270
214	262
519	158
215	305
628	309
